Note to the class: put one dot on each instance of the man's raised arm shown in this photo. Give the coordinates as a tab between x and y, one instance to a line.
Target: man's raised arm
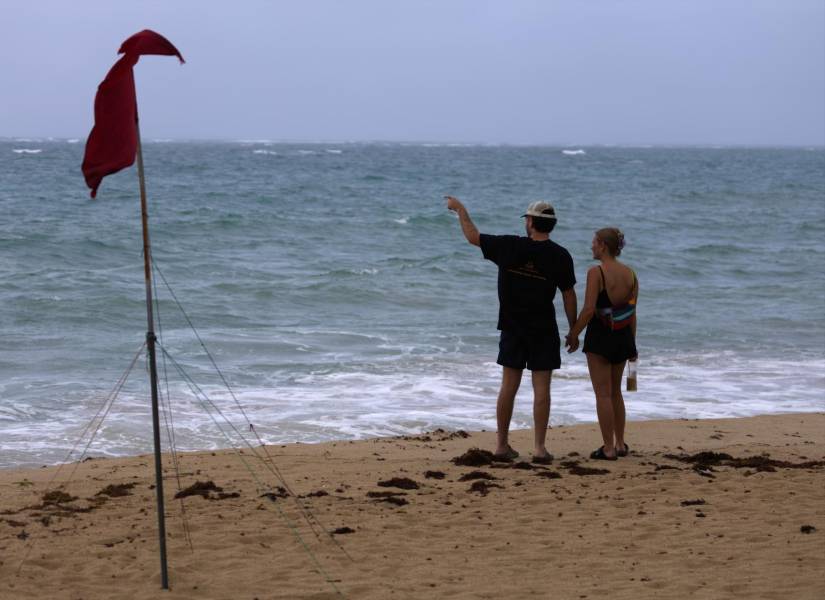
467	226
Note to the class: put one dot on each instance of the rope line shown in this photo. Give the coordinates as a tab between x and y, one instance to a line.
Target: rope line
117	391
104	409
166	409
306	512
199	393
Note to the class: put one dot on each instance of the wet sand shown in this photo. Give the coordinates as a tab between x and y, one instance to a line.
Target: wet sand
731	508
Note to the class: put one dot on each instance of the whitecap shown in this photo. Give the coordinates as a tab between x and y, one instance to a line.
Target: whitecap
27	150
72	141
402	220
306	151
264	152
334	151
573	152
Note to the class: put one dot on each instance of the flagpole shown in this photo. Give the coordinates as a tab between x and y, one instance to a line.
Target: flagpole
153	371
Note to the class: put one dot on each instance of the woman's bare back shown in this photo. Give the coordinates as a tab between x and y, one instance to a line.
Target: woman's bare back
619	281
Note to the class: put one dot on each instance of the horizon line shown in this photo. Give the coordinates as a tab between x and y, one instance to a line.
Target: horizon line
285	141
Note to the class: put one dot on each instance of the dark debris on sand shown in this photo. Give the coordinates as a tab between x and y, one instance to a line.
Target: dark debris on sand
472	475
56	504
199	488
57	497
548	474
434	475
404	483
343	530
704	470
666	468
391	497
696	502
807	529
475	457
574	468
762	463
442	436
397	501
116	490
279	492
207	490
455	435
384	494
482	487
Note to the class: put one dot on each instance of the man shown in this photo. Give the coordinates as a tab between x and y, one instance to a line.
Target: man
529	271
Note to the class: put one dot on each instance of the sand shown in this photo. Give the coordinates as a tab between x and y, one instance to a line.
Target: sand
650	526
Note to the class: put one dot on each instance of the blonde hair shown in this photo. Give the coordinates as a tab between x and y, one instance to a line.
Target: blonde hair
613	238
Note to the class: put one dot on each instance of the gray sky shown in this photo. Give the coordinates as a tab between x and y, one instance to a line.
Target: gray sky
512	71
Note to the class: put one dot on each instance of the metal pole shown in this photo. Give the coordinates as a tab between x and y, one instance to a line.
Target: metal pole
153	371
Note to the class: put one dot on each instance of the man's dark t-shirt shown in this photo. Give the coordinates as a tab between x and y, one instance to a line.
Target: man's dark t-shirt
528	274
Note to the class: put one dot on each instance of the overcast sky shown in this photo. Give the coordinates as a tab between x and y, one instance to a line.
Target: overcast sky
512	71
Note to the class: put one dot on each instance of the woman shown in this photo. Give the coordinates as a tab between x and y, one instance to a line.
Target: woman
609	313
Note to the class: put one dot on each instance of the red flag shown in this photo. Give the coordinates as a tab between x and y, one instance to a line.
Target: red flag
112	144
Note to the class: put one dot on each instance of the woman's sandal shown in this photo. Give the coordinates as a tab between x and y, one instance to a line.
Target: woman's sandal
624	452
547	459
600	455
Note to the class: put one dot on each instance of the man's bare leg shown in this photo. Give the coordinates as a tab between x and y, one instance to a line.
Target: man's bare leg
541	410
510	381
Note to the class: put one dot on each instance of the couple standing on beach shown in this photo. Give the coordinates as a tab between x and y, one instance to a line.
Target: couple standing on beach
530	269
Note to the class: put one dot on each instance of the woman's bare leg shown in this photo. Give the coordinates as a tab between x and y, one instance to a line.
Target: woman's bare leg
617	401
600	377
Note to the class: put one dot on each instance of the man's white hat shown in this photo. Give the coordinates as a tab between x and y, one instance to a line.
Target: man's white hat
540	209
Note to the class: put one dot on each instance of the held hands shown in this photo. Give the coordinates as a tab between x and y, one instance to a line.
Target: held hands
571	343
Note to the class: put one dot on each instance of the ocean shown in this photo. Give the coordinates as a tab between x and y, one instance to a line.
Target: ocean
340	300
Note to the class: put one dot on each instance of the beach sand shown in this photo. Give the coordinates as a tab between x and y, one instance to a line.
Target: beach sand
652	526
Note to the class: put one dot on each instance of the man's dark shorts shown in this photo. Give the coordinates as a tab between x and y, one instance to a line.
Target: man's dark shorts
536	352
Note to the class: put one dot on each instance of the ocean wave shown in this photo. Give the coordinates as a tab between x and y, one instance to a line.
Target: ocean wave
573	152
27	150
412	392
715	250
349	272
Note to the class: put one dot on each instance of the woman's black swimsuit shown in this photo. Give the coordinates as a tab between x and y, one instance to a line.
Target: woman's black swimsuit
616	345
